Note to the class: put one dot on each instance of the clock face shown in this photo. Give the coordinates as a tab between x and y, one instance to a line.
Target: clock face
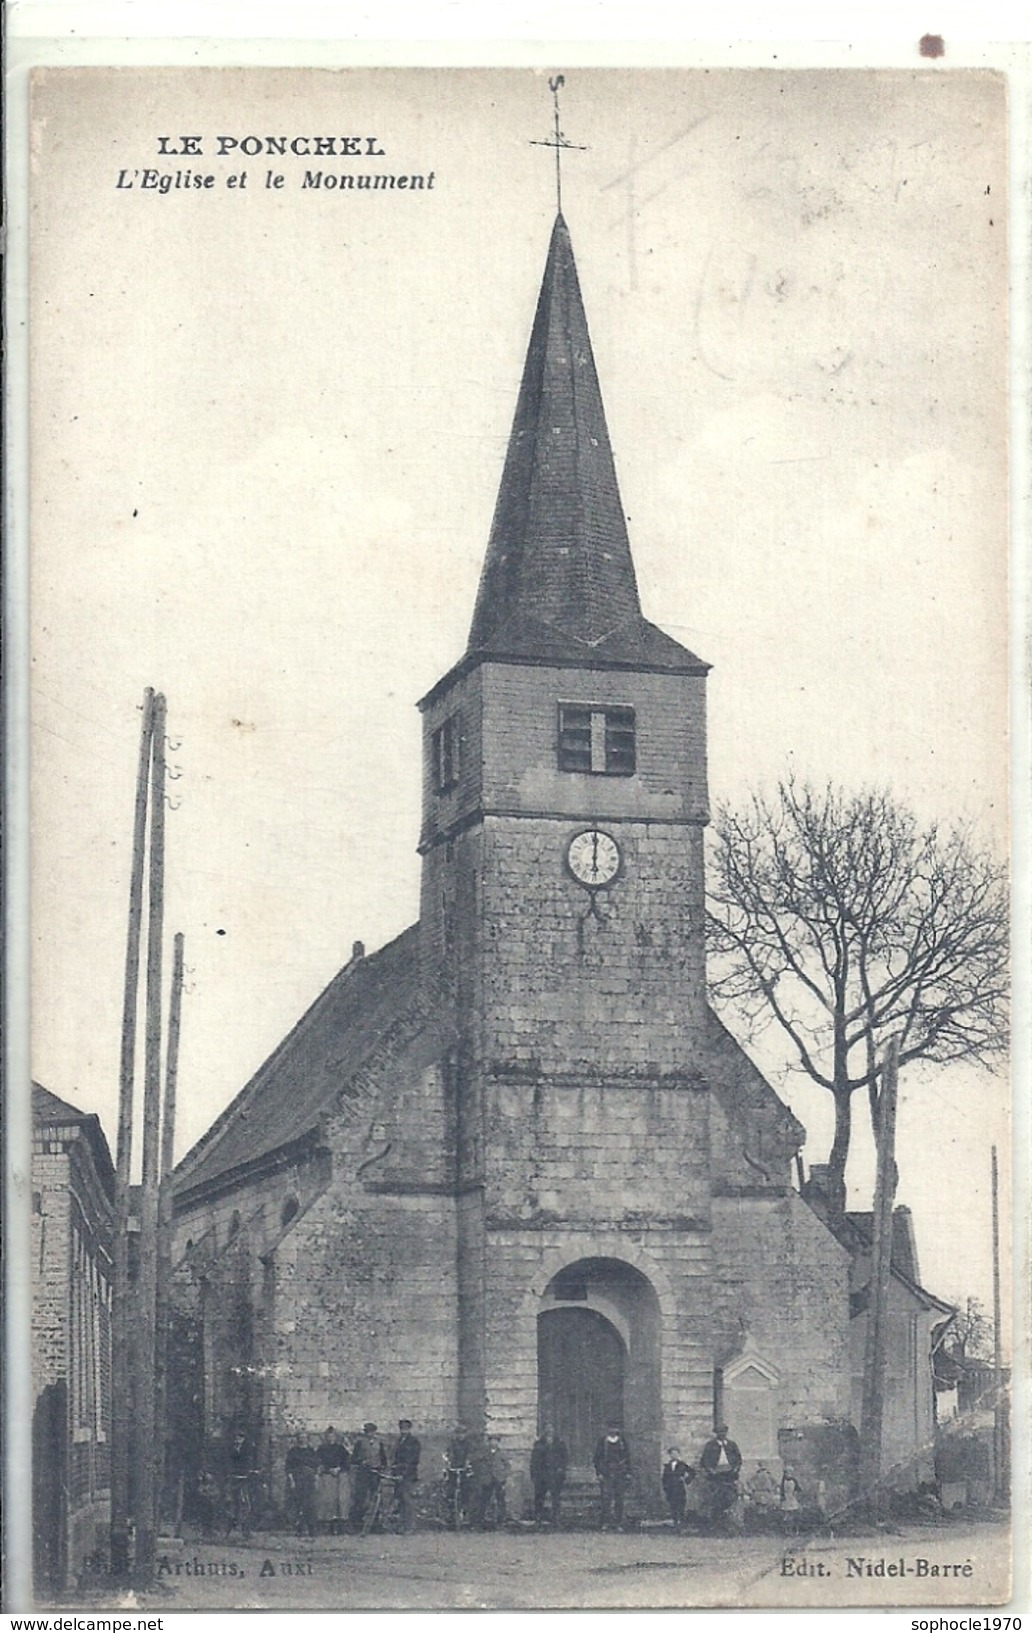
593	858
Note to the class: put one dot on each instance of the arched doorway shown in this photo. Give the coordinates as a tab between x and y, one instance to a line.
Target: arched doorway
598	1347
581	1364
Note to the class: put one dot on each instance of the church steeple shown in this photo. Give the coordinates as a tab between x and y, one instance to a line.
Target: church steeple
559	551
558	579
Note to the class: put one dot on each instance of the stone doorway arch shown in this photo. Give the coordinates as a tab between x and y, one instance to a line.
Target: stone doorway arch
598	1346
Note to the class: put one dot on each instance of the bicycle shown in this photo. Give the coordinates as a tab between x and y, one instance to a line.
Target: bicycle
240	1503
383	1507
456	1489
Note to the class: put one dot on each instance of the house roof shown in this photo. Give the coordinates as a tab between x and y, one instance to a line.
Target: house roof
50	1111
558	582
854	1231
904	1247
286	1097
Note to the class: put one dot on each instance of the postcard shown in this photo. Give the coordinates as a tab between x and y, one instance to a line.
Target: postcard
520	821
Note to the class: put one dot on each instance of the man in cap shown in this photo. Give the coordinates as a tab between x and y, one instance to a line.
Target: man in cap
720	1462
613	1468
405	1472
368	1460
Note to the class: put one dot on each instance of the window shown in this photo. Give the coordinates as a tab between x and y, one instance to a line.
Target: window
445	752
597	738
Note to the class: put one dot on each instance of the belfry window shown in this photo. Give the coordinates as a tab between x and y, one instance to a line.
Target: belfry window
597	738
445	754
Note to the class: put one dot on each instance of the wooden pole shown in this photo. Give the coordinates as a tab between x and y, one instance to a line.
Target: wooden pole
999	1470
164	1280
875	1353
146	1519
121	1413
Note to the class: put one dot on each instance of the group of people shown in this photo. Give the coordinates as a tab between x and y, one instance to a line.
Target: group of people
360	1481
715	1495
549	1461
335	1486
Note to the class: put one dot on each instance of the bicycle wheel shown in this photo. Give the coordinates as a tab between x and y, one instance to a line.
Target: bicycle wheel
372	1513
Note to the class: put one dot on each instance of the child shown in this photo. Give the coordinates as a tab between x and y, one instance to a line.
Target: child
676	1477
764	1495
790	1495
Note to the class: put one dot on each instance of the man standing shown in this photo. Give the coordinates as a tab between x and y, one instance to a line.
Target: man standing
405	1471
548	1460
490	1473
720	1462
240	1474
368	1461
457	1475
613	1468
302	1463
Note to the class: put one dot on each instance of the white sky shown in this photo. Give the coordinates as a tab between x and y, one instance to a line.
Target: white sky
269	428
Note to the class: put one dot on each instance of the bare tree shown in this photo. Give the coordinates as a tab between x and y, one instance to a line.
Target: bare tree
971	1332
836	916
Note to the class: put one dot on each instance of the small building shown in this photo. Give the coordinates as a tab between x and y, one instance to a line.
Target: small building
73	1185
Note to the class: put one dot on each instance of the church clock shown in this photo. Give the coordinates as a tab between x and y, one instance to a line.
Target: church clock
593	857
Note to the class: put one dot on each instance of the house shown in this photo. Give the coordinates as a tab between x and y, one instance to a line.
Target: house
916	1325
72	1232
511	1168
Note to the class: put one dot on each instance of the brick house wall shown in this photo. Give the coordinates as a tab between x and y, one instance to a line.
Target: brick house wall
72	1245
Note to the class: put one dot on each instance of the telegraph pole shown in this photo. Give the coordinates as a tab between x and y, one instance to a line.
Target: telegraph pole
121	1410
164	1277
999	1479
146	1528
871	1415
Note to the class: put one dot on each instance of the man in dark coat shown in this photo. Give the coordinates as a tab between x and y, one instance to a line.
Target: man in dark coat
721	1461
301	1465
677	1476
405	1471
548	1461
613	1468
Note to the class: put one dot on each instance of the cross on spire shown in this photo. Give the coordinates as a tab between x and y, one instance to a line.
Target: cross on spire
558	141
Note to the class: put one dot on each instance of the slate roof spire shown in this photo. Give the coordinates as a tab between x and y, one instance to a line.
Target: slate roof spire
558	580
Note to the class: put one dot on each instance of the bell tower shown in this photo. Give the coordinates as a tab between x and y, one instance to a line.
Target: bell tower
565	756
564	805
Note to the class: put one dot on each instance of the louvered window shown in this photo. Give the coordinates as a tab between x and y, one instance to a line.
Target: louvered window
597	738
445	749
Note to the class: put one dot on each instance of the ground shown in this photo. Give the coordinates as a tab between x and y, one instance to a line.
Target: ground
966	1562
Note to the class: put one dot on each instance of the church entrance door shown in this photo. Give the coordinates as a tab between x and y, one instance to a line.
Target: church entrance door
581	1363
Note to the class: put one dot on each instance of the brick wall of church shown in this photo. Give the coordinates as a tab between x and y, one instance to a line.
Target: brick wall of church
520	731
347	1310
782	1281
365	1313
564	989
607	1155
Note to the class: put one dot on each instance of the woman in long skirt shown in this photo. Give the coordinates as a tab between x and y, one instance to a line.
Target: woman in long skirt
332	1487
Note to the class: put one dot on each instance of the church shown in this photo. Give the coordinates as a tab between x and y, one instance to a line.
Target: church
511	1168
